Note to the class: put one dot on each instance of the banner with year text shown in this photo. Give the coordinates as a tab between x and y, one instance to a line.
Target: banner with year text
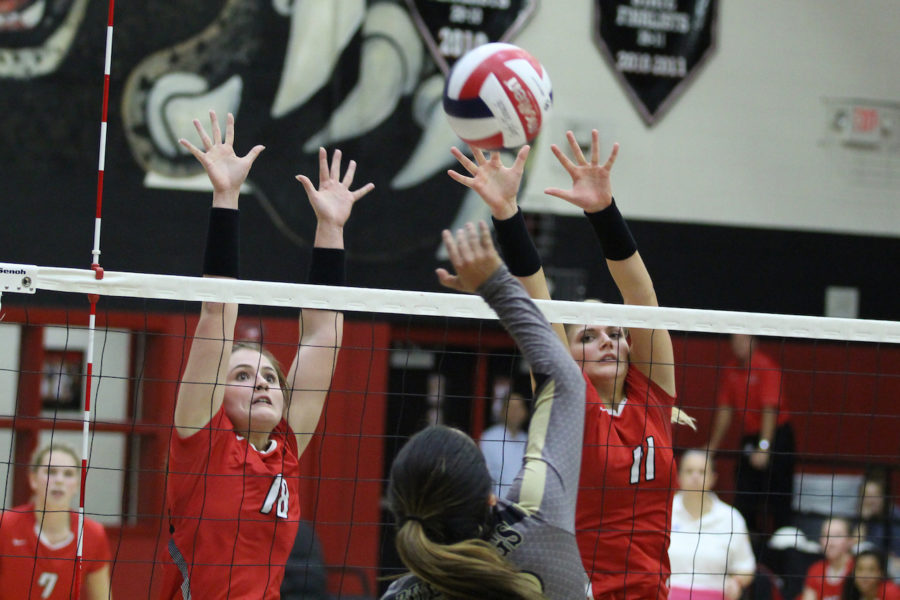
655	47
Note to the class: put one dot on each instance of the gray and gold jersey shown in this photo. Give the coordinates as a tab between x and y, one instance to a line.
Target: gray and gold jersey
535	523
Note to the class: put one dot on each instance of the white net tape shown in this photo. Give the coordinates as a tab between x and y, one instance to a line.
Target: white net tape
169	287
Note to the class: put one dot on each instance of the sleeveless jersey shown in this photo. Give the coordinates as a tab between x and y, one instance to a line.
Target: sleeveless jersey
625	493
233	513
32	568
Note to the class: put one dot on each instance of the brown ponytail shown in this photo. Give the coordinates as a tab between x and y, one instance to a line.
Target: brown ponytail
467	569
439	492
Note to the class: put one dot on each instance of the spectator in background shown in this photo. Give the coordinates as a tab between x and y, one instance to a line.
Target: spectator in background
710	551
879	520
825	578
305	577
764	481
503	444
868	581
38	541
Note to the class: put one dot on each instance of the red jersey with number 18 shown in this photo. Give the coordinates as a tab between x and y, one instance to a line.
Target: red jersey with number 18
30	567
233	513
624	515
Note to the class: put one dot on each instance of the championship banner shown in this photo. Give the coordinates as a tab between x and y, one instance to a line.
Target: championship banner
451	28
655	47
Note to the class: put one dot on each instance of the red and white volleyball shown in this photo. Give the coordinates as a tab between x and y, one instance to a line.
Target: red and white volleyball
496	96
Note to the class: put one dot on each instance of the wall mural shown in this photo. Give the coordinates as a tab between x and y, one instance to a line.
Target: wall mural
363	76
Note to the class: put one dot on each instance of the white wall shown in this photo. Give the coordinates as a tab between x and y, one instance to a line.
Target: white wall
109	398
748	143
106	451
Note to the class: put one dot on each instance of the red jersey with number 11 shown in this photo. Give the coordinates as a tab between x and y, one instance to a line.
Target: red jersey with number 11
624	515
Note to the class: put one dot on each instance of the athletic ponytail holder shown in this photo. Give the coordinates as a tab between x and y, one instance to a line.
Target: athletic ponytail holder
418	520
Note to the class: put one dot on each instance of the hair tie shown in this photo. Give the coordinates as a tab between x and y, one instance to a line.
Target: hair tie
418	520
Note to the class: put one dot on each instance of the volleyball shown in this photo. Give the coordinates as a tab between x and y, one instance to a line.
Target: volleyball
496	96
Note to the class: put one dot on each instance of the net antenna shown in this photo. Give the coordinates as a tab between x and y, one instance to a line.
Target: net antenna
93	298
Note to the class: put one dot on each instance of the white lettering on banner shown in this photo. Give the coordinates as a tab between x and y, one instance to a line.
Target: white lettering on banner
653	39
469	16
673	22
651	64
455	42
656	4
498	4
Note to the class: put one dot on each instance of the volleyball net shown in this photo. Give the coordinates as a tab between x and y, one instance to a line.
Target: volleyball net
408	359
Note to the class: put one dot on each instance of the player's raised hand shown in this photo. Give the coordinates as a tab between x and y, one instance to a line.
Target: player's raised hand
472	255
333	200
591	188
226	170
497	184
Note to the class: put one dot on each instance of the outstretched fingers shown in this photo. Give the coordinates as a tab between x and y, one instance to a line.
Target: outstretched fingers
347	181
204	138
463	245
362	191
560	193
576	149
229	129
450	245
612	156
323	165
307	184
484	233
336	165
254	152
521	157
464	160
214	127
197	152
564	160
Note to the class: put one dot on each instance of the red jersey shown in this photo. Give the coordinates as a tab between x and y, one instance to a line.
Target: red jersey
624	511
32	568
889	591
233	513
827	586
749	390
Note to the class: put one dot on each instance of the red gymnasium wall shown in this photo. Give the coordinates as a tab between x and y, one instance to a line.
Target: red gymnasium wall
843	400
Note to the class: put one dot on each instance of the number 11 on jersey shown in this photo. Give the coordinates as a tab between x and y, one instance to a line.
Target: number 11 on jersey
649	466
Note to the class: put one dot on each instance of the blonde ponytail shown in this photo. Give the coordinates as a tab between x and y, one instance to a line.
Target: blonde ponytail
468	569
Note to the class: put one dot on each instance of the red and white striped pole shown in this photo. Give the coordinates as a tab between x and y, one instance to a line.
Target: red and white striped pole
93	298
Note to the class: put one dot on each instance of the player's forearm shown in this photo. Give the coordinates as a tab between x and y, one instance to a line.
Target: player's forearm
633	281
527	325
721	423
523	261
768	423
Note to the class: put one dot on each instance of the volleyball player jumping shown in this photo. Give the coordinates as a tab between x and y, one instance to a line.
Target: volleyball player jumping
241	425
626	486
456	537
